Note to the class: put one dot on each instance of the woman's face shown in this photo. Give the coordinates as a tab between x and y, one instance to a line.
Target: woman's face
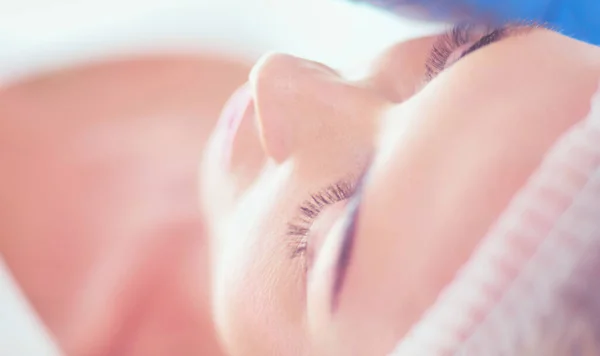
340	209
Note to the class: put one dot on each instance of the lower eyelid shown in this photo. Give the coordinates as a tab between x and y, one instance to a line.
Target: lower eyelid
321	228
348	235
500	34
473	46
458	54
344	257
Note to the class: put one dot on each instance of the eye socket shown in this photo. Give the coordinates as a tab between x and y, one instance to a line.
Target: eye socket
299	229
458	42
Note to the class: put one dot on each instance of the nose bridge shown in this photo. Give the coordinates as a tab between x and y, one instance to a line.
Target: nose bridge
289	95
274	66
287	81
300	102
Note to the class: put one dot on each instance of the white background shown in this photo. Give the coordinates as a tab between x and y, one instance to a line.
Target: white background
37	34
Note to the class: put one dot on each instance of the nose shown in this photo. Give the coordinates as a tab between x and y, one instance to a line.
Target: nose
303	106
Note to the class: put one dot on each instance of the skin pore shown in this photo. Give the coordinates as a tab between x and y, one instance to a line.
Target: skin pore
99	219
442	161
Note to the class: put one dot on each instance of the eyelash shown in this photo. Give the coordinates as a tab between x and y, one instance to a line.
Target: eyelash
309	210
299	229
458	36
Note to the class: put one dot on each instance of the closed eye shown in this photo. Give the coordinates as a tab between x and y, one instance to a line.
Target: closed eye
457	43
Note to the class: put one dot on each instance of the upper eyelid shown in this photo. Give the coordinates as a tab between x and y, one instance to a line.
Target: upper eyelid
298	229
450	41
457	33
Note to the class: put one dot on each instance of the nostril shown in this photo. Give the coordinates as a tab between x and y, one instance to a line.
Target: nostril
247	156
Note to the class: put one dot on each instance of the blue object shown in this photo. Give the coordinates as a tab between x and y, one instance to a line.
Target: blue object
579	19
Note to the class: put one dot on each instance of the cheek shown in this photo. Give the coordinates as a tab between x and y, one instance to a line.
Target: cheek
433	193
257	290
239	291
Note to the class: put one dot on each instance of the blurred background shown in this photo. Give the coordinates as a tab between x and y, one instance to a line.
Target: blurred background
41	34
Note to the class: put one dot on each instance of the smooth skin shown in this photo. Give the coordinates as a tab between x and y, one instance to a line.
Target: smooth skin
99	221
444	160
